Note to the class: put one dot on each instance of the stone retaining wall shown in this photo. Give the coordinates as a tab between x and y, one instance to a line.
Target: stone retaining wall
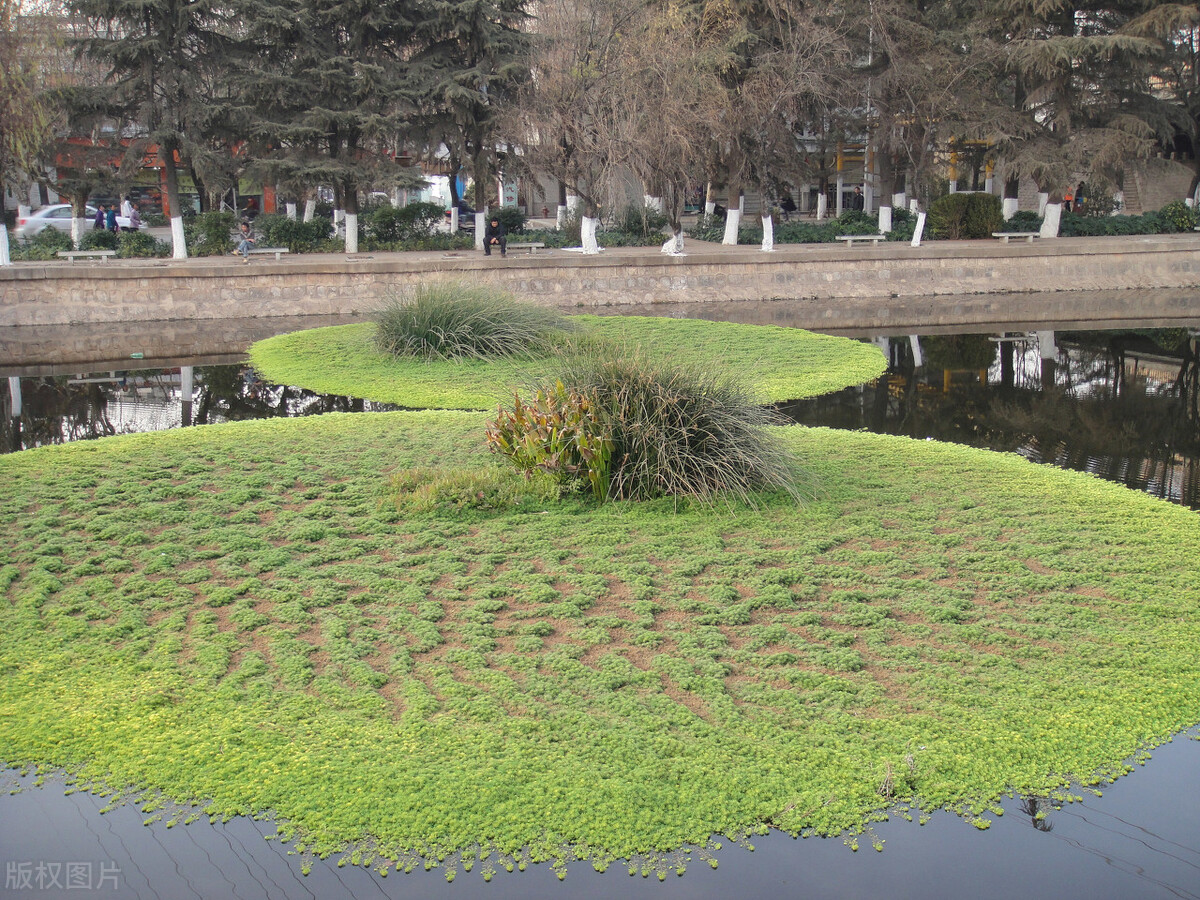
893	285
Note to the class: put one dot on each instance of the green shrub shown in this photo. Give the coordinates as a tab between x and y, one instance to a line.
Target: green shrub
155	220
965	216
456	320
98	239
661	430
210	233
1024	220
643	220
395	224
511	217
42	246
140	244
297	236
1177	216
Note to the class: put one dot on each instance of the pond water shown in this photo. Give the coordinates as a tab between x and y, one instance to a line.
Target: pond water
1141	839
1121	403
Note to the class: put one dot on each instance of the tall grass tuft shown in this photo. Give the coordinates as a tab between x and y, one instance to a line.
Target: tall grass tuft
456	320
667	430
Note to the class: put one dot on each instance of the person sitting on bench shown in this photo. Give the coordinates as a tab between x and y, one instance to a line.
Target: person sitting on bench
495	236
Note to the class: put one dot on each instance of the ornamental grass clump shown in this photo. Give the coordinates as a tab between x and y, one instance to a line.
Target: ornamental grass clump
632	428
455	320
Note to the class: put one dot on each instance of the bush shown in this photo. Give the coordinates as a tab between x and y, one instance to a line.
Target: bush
155	220
636	429
98	239
210	233
42	246
1177	216
1024	220
642	220
965	216
140	244
297	236
396	224
455	320
511	217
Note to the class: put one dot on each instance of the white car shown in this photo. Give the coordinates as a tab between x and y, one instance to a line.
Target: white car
56	216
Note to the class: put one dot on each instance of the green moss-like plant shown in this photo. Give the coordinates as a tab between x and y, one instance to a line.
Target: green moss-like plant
784	363
244	616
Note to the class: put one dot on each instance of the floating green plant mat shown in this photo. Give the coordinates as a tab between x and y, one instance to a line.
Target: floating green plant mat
243	616
785	363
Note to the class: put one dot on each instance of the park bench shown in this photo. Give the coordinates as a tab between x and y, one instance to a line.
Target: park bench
1003	236
72	255
852	239
258	251
526	245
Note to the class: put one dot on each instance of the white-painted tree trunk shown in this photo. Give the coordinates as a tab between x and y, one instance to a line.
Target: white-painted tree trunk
742	203
1051	220
588	228
1043	199
14	396
1010	205
572	205
710	207
919	230
822	207
351	232
178	240
885	219
78	227
652	202
23	210
5	258
480	227
914	341
913	205
733	219
768	241
674	244
954	186
310	210
291	211
339	218
560	218
899	200
454	220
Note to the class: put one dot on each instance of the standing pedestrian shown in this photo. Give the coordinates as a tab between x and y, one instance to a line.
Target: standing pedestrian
110	219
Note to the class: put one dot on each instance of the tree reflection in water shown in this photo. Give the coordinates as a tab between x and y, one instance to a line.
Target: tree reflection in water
1123	406
59	409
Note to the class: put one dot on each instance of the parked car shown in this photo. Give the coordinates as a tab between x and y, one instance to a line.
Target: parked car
56	216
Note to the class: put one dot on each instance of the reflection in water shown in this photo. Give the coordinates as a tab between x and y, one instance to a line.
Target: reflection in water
62	408
1122	406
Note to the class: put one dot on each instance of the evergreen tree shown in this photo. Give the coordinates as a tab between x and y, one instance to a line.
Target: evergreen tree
324	91
471	56
159	54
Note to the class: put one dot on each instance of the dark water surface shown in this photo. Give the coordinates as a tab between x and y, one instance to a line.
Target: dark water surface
1141	839
1120	402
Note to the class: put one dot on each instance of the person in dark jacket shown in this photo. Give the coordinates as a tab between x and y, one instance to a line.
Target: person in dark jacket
99	222
494	236
110	218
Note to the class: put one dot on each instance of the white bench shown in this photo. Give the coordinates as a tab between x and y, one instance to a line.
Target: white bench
530	246
852	239
72	255
1003	236
259	251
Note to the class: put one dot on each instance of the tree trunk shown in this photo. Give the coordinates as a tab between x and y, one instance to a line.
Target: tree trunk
561	215
350	195
5	259
310	209
79	221
178	241
768	239
1011	204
